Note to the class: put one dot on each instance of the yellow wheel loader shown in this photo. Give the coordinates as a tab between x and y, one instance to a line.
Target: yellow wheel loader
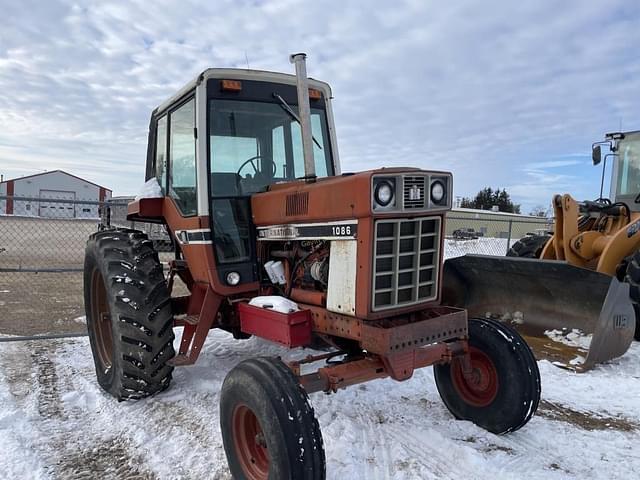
574	294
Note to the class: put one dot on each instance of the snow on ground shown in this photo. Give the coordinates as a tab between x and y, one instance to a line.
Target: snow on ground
55	422
481	246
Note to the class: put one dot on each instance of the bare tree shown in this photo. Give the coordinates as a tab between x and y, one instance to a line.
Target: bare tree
539	211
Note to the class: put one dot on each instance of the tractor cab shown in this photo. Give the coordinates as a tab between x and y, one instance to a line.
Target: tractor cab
242	127
625	178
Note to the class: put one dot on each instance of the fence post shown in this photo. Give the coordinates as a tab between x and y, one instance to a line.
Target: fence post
509	239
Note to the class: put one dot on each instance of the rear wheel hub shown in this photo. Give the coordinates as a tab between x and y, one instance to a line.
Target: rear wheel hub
100	312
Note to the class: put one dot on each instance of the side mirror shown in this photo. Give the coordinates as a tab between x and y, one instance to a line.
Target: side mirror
596	154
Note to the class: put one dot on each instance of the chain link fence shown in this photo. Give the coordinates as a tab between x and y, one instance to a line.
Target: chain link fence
42	254
488	234
41	260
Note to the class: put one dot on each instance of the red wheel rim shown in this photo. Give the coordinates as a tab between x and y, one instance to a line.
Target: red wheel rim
480	388
101	318
250	444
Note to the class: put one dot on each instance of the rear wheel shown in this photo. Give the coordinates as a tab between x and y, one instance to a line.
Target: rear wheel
503	391
530	246
128	314
269	430
632	277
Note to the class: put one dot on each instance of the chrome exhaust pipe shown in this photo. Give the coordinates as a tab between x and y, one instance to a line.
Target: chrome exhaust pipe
304	112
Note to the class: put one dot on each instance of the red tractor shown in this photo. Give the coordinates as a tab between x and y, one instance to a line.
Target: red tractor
272	240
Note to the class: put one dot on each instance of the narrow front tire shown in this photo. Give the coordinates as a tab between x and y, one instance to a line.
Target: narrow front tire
503	390
269	430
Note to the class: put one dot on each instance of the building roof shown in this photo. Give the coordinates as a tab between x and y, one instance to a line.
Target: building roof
54	171
491	212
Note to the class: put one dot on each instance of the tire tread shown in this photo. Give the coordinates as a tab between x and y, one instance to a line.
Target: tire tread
140	308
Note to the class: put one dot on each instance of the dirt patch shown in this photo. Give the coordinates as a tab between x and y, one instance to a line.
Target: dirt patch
49	401
586	420
36	303
490	447
106	459
33	299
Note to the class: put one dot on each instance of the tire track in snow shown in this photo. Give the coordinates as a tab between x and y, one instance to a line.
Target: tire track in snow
436	456
48	395
378	462
108	458
66	441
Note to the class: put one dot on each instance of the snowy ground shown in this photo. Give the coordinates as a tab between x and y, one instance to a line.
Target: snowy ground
56	423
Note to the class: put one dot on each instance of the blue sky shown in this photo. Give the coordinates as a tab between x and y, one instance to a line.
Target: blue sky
504	94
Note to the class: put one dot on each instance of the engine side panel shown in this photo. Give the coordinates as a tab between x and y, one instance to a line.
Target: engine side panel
343	266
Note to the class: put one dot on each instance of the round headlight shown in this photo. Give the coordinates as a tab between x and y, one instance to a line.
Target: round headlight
437	191
233	278
384	193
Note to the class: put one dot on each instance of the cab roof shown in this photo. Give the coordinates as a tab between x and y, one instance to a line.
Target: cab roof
242	74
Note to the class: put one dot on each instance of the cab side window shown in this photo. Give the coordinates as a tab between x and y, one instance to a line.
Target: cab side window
161	152
182	158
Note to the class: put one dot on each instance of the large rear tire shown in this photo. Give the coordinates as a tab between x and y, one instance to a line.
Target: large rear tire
530	246
129	317
269	430
633	279
503	392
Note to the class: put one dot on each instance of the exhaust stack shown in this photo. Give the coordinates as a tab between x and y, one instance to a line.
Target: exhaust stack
304	112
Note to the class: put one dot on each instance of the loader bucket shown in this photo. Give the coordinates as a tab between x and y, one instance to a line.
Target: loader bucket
568	315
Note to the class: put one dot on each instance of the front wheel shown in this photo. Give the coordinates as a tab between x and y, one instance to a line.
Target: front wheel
269	430
503	391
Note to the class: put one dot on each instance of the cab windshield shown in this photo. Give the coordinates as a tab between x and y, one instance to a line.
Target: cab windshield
254	144
629	165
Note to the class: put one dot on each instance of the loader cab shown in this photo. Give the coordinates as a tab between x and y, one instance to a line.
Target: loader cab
625	184
228	135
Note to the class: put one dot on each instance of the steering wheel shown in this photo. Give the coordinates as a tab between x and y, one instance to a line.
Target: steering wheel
255	167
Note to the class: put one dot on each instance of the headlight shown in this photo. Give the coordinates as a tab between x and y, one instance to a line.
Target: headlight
437	191
233	278
384	193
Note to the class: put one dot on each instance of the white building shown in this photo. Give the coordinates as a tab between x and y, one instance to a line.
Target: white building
54	194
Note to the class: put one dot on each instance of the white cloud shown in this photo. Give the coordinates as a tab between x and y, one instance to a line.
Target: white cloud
484	89
554	164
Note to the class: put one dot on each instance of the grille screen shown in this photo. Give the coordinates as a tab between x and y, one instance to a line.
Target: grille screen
414	192
297	204
405	262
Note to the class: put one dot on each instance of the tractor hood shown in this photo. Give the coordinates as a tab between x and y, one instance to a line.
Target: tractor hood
351	196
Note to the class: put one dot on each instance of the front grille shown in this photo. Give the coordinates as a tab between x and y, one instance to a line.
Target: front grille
406	260
414	192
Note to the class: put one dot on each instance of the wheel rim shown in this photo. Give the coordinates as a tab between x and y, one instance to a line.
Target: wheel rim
480	388
250	444
101	318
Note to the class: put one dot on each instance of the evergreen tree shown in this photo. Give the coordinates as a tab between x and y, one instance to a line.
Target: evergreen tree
487	198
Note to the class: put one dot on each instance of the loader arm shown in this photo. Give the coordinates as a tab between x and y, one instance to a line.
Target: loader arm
625	242
598	243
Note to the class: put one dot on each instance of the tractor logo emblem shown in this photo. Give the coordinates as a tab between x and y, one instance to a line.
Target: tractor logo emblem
414	193
619	322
